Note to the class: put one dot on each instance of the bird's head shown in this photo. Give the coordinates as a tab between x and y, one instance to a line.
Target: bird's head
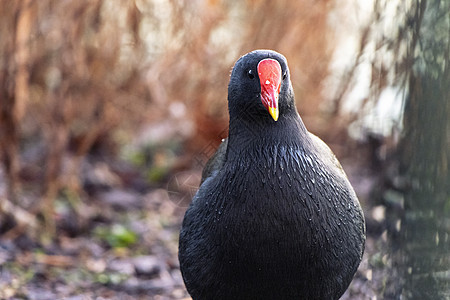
260	87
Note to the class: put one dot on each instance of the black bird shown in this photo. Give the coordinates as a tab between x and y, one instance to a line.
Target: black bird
275	216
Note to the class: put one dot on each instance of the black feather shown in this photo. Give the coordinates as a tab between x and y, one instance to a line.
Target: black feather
275	216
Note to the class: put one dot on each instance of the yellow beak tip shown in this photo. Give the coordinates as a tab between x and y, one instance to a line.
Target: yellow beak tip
273	111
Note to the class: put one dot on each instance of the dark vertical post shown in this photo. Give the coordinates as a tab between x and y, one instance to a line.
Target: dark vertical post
425	156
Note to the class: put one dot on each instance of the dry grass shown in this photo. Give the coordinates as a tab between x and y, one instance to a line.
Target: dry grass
75	75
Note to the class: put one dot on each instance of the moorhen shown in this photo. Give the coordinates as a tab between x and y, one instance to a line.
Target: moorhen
275	216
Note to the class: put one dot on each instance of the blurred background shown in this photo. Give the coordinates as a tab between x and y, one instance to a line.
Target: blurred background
110	109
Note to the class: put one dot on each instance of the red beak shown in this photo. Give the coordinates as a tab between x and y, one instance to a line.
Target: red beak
269	71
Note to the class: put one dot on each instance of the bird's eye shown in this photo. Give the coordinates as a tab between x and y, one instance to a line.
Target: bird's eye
250	74
284	75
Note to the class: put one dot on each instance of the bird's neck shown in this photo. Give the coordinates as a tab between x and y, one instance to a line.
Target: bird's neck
251	137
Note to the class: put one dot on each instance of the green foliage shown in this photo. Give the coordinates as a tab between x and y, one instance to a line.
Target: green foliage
155	160
137	158
110	278
157	173
377	260
117	236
